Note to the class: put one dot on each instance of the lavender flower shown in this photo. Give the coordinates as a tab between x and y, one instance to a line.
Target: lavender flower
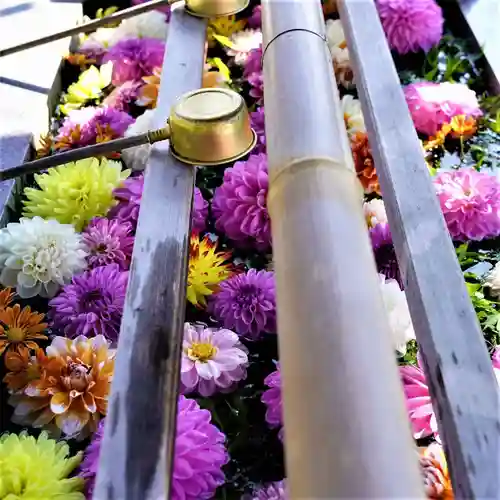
385	256
123	96
200	211
129	197
257	122
255	20
88	468
272	399
272	491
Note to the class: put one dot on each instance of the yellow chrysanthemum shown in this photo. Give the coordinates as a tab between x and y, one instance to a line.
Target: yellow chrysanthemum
76	192
36	469
207	268
223	27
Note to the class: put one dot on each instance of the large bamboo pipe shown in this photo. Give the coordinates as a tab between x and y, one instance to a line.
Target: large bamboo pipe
346	429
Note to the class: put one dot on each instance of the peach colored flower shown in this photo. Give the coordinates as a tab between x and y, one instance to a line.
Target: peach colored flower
24	366
363	162
6	297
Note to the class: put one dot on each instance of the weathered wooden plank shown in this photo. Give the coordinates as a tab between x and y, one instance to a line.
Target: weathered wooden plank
324	270
462	384
136	456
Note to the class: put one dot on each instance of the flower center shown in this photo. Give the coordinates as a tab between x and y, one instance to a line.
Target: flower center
78	378
16	334
101	248
202	351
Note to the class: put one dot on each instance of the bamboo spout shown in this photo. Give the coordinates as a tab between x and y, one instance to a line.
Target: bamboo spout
346	430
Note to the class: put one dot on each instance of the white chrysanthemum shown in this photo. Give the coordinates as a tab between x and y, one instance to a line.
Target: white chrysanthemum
493	281
243	42
38	256
398	313
136	158
97	40
353	116
340	54
374	212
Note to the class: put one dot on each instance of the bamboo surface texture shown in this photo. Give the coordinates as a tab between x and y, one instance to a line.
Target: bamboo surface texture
461	380
345	423
137	451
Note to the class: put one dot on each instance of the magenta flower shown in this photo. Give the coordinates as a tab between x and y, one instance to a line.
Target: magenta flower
134	58
199	455
212	360
385	255
411	25
255	20
257	122
418	401
253	74
108	242
239	205
200	211
246	303
129	197
470	202
272	491
122	97
272	399
434	104
92	304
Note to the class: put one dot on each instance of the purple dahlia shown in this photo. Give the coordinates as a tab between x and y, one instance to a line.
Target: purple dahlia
385	255
246	303
253	73
255	20
108	242
272	491
123	96
200	212
134	58
272	399
199	455
257	122
92	304
239	205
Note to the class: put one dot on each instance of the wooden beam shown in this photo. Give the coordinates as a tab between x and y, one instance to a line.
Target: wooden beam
346	434
457	365
137	451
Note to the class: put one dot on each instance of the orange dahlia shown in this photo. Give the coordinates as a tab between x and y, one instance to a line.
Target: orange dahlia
6	296
72	391
148	93
20	328
24	366
363	162
437	482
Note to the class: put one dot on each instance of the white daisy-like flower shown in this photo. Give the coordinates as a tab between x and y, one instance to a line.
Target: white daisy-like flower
244	42
136	158
374	212
340	54
398	313
38	256
493	281
212	360
353	116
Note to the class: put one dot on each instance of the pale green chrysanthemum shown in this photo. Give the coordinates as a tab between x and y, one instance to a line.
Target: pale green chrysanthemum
76	192
37	469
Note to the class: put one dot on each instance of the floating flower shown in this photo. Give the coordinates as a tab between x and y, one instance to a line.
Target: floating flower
255	20
224	27
239	205
439	139
242	43
134	58
38	256
252	73
374	211
272	399
418	401
76	192
200	212
398	313
340	54
257	121
199	455
207	269
20	328
121	98
23	366
385	255
432	104
353	116
212	360
72	391
152	24
272	491
148	93
463	127
434	469
37	468
246	303
92	304
108	242
411	26
470	202
137	157
129	196
363	162
493	281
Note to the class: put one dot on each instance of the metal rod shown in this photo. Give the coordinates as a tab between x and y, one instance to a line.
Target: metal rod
86	27
345	424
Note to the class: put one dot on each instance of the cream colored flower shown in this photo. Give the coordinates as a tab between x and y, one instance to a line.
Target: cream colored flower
244	42
374	212
493	281
136	158
353	116
340	54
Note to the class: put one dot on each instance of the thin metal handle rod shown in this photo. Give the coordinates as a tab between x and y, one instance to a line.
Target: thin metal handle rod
86	27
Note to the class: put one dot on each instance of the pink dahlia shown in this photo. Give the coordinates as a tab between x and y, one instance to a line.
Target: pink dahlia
255	20
470	202
257	122
434	104
418	401
134	58
108	242
272	399
239	205
273	491
411	25
199	455
252	73
92	304
212	360
246	303
200	211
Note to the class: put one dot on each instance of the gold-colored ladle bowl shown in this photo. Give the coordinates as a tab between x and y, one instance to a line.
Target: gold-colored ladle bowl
210	127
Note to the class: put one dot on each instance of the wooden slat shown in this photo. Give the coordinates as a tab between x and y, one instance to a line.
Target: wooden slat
136	457
462	384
